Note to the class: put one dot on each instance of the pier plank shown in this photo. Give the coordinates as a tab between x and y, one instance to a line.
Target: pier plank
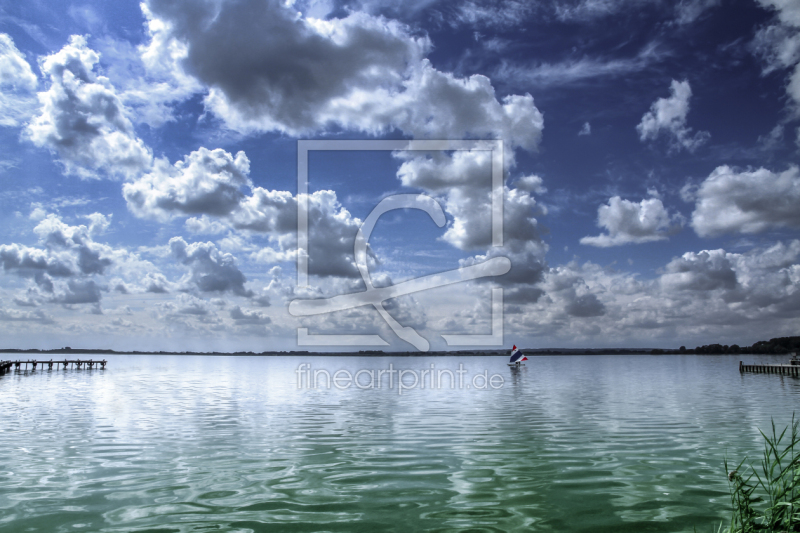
7	366
786	370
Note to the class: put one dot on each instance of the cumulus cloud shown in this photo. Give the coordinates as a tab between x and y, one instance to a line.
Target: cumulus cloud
289	72
209	269
710	292
17	85
703	271
156	283
205	182
149	77
729	201
14	315
282	70
243	316
215	185
463	181
568	291
586	129
629	222
668	116
296	74
68	266
67	251
82	119
79	292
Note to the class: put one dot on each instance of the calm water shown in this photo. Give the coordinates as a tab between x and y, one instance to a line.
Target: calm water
196	444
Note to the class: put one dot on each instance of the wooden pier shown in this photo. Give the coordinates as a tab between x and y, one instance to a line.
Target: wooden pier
787	370
8	366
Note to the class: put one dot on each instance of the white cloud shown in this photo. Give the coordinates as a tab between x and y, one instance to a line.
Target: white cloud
205	182
204	225
711	292
497	14
463	181
37	213
297	74
590	10
17	85
574	71
688	11
69	267
156	283
586	129
78	292
244	316
704	271
14	315
209	269
773	140
531	183
629	222
570	294
150	75
83	120
779	44
668	115
788	10
747	202
215	185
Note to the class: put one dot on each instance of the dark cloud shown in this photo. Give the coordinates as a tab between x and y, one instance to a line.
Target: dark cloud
586	306
249	317
209	269
269	68
79	292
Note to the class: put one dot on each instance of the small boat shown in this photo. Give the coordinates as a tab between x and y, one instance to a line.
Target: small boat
517	357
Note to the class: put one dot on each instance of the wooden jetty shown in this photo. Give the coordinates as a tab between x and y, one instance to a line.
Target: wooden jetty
7	366
787	370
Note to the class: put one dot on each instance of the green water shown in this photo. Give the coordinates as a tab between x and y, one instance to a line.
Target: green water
195	444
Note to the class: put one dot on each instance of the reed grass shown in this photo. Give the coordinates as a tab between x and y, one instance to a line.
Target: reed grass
768	500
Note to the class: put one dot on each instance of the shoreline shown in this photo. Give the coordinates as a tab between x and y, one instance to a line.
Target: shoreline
775	346
369	353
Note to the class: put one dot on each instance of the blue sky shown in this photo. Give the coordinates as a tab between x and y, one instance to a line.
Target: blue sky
149	179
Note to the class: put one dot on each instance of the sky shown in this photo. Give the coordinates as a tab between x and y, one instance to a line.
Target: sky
150	174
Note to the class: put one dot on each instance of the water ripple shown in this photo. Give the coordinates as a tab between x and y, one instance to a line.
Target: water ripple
188	444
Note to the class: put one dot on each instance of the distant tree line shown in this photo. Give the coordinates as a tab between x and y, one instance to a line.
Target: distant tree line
780	345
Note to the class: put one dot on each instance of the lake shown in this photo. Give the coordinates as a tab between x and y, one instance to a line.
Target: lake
247	444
